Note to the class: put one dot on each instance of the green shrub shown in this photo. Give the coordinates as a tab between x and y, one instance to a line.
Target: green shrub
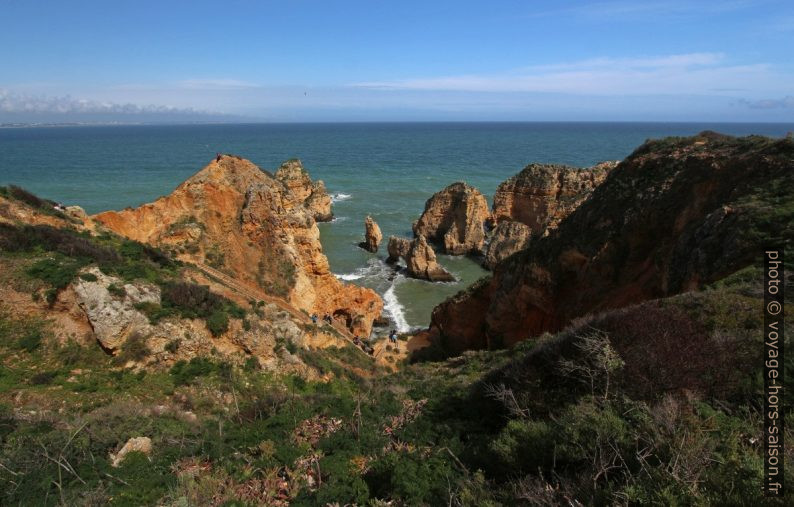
172	346
31	340
218	322
183	372
88	277
117	290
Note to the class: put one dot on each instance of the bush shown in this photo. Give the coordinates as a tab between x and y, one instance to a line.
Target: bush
218	322
57	272
88	277
31	340
183	372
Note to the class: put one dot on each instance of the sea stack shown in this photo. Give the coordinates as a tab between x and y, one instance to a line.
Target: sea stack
422	264
454	220
372	235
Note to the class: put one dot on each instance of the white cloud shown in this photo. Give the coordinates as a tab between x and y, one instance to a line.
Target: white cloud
692	73
11	102
784	103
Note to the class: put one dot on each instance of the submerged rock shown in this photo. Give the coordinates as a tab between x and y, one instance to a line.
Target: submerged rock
372	235
454	219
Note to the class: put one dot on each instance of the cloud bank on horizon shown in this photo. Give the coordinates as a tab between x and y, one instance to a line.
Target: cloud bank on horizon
613	60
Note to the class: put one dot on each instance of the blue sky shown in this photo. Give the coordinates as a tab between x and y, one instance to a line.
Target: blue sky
302	60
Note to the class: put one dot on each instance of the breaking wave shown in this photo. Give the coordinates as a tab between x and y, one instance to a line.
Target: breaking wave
338	197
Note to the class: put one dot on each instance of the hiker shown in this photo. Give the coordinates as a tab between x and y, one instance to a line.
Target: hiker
217	157
314	319
393	336
328	319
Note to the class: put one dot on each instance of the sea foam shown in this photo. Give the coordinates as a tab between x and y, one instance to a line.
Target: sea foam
340	197
397	312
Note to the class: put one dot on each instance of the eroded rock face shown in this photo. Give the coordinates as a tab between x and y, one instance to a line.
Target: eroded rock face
454	220
372	235
398	247
422	263
311	194
261	230
674	216
507	238
542	195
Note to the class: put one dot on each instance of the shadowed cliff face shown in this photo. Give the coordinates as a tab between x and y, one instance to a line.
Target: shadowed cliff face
259	229
677	214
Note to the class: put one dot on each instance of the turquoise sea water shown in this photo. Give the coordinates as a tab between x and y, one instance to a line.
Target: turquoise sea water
386	170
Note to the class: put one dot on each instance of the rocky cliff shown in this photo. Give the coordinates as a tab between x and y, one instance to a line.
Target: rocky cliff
541	195
676	215
507	238
257	227
453	219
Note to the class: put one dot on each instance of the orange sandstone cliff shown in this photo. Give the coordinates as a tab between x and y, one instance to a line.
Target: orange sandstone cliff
676	215
257	228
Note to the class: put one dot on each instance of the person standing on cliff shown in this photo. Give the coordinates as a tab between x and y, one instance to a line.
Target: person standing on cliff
393	336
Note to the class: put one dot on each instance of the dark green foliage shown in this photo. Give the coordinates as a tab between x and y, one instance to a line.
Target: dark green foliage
57	272
218	322
196	301
88	277
184	372
30	340
117	290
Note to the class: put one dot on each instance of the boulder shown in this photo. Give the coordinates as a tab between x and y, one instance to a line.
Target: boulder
454	220
507	238
113	315
372	235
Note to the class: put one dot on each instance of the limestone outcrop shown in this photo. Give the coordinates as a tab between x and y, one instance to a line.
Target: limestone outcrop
372	235
506	239
397	247
312	194
134	444
113	316
542	195
259	229
454	220
421	262
676	215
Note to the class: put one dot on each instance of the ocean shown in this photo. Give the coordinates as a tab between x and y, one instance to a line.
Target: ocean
386	170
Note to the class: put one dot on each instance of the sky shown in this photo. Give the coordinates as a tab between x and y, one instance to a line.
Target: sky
406	60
